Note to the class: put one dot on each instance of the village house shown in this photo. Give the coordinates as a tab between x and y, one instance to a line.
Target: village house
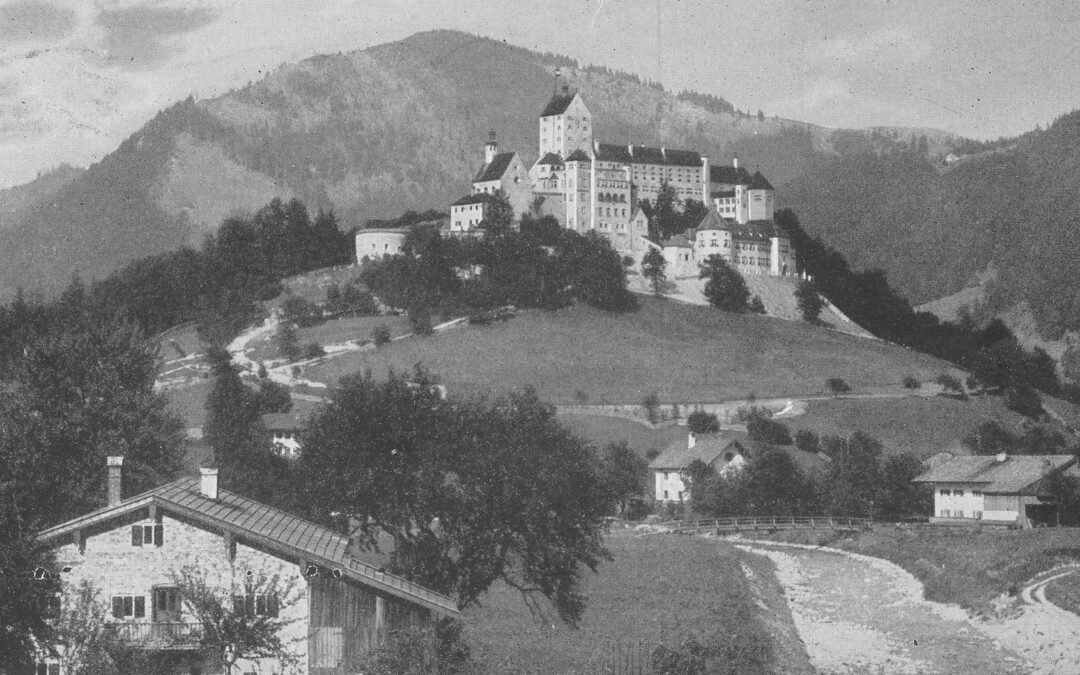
133	550
284	431
1003	488
723	452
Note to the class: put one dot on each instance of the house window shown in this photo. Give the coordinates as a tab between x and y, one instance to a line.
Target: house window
946	493
976	493
257	604
128	606
47	669
665	494
665	475
147	535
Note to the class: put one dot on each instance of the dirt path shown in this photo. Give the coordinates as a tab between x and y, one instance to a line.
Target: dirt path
858	614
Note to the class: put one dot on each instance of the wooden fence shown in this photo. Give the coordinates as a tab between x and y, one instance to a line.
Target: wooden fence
741	523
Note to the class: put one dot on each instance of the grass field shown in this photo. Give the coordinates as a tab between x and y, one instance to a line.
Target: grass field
602	431
922	426
684	353
1065	593
333	332
959	565
659	589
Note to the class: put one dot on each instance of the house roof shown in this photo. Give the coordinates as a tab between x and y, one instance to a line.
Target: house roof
714	221
643	154
550	158
578	156
723	194
756	229
729	175
478	198
558	104
277	531
495	169
678	241
1018	474
707	448
759	182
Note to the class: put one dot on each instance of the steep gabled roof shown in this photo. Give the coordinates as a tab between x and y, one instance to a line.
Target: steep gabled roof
729	175
714	221
550	158
1017	474
279	532
759	182
578	156
496	168
707	448
558	104
478	198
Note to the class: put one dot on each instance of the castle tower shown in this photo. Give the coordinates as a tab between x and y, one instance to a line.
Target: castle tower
565	125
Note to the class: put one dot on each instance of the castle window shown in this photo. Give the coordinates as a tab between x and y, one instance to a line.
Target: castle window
128	606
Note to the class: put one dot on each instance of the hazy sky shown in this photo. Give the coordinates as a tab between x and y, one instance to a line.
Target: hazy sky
78	76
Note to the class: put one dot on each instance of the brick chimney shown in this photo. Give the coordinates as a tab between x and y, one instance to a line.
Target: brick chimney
116	467
208	482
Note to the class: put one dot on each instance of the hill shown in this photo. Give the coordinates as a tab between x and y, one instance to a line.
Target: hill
684	353
370	134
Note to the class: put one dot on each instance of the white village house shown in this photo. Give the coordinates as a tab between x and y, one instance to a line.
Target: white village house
1013	489
723	452
132	550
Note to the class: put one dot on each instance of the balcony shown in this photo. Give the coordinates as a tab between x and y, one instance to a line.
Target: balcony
160	635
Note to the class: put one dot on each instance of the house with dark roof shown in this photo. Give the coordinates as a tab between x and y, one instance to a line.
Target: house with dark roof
134	551
750	247
723	452
1003	488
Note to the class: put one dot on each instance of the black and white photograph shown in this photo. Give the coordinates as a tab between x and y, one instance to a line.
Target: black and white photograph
600	337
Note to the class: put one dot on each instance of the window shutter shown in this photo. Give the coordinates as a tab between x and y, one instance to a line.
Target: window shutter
272	605
129	609
118	607
159	535
140	606
136	535
238	604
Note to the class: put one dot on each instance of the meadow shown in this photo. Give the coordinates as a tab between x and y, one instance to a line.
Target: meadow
659	589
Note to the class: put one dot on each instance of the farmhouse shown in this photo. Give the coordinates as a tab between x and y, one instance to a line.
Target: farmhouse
284	431
133	551
997	488
723	452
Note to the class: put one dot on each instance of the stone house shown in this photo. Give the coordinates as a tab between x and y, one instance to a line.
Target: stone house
133	549
723	452
1003	488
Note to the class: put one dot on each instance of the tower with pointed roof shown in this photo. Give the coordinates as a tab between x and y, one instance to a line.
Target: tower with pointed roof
565	125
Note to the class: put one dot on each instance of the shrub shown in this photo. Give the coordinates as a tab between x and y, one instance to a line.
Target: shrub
676	412
313	350
701	422
381	335
807	441
950	384
689	659
756	306
912	382
652	454
837	386
651	404
1023	399
262	371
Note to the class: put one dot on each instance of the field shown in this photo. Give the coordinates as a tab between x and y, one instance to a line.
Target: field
1065	593
683	353
959	565
922	426
660	589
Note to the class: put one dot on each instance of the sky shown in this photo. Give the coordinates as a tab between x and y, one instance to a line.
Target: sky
79	76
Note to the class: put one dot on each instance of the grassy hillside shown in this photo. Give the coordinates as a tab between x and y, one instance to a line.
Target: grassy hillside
660	589
684	353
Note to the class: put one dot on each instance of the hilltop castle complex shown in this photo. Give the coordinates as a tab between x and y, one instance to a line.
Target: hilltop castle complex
592	186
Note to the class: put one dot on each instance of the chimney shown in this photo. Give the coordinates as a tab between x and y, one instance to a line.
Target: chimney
208	482
691	440
735	162
630	148
116	466
491	149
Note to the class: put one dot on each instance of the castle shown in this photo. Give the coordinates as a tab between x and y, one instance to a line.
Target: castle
592	186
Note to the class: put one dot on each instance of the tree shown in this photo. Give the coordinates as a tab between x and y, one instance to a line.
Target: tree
243	615
809	302
1023	399
652	268
774	485
899	497
807	441
287	341
853	479
625	473
701	422
725	288
24	599
651	405
951	385
837	386
471	491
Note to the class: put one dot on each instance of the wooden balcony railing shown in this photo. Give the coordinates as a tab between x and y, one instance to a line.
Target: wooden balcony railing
160	635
